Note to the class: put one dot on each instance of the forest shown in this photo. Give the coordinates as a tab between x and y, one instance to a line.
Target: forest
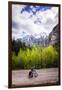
26	57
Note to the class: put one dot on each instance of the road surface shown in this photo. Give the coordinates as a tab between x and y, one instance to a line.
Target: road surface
20	77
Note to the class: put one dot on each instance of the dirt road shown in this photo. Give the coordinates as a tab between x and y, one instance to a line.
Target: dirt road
20	77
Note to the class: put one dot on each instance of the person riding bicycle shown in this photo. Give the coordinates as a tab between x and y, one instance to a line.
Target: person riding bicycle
33	73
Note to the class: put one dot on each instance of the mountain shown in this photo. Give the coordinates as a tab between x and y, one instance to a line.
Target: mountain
54	36
40	39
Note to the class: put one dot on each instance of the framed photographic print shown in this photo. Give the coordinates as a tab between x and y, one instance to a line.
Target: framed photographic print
34	44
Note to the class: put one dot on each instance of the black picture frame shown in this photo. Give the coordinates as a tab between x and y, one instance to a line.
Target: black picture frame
10	3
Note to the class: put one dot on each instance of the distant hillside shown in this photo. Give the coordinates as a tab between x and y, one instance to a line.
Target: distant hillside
30	40
54	36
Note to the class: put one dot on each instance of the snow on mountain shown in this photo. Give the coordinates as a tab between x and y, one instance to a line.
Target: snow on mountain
38	39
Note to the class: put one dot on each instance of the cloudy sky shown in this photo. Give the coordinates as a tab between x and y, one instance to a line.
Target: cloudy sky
33	20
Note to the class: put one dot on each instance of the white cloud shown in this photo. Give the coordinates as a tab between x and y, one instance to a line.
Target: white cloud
48	18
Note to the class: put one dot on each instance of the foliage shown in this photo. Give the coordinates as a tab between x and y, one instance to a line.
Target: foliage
37	57
16	45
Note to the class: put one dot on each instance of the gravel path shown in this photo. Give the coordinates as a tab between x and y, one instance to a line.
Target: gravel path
20	77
